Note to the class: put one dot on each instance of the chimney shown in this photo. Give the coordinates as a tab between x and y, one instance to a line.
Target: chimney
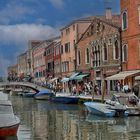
108	13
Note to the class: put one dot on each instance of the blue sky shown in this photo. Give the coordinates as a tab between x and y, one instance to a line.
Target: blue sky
23	20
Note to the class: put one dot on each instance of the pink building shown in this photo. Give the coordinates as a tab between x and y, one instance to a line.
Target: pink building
69	36
57	59
39	68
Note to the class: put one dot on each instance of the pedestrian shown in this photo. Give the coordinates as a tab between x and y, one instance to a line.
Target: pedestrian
125	88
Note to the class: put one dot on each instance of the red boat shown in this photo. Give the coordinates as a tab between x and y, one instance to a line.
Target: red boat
9	122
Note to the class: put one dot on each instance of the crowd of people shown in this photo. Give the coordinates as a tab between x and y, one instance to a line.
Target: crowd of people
126	89
75	88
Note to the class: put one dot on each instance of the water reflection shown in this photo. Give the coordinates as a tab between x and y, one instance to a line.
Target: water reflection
42	120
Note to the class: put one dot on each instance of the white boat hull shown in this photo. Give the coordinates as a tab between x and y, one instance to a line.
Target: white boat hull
100	109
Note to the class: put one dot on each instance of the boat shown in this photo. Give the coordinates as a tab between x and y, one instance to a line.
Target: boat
9	122
44	94
100	109
129	100
28	94
65	99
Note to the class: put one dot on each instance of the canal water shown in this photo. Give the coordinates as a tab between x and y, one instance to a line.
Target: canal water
43	120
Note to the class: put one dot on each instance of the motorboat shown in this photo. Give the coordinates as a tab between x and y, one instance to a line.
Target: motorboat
65	99
100	109
121	104
44	94
130	101
9	122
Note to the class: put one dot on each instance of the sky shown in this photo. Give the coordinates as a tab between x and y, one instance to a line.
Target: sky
24	20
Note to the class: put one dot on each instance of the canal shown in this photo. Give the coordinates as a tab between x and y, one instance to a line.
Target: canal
43	120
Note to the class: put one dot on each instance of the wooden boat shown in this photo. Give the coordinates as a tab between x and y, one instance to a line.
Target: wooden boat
65	99
44	94
9	123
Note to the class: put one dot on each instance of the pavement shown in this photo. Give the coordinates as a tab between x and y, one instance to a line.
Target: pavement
86	97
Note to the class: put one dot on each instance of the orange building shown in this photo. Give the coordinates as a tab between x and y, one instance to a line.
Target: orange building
130	13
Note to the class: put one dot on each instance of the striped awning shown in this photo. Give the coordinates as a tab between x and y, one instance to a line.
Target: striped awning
73	76
80	77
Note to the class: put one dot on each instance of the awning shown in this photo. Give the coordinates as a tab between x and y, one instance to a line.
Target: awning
124	74
52	80
65	79
80	77
73	75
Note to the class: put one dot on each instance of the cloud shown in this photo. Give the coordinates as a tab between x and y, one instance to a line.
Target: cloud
4	63
14	12
14	38
57	3
20	34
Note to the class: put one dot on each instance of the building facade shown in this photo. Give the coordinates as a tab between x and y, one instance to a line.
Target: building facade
130	18
99	50
22	65
57	59
39	68
69	36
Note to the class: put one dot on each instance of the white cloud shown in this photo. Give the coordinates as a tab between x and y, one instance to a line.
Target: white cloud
57	3
18	36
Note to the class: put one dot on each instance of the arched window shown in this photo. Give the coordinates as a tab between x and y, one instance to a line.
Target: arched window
125	53
124	20
139	14
116	53
87	55
105	52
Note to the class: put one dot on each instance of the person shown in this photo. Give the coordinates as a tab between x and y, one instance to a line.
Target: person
135	89
125	88
74	89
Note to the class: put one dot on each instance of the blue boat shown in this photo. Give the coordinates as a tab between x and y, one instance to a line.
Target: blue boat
44	94
65	99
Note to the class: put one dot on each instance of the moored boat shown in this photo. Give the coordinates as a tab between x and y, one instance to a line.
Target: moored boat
9	122
130	101
65	99
100	109
44	94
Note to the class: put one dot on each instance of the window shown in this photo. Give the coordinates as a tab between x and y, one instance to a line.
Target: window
105	52
124	20
116	50
67	47
87	55
96	56
65	66
139	13
79	58
62	49
125	55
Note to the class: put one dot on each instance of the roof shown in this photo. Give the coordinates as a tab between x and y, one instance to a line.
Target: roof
124	74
